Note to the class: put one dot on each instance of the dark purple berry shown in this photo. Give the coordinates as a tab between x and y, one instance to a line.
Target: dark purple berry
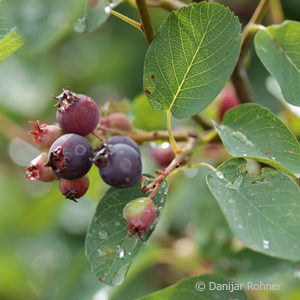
38	171
120	139
118	121
74	189
45	135
70	156
119	165
140	215
77	113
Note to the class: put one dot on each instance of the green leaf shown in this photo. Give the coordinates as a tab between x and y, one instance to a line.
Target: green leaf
263	211
190	289
9	44
191	58
279	51
10	40
145	117
253	131
92	15
108	248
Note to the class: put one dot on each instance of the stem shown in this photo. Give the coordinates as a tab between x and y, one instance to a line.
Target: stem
192	166
202	121
239	76
98	136
145	136
127	20
168	5
175	163
172	139
147	27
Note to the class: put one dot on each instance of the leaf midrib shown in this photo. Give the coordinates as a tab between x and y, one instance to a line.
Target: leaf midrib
190	65
284	52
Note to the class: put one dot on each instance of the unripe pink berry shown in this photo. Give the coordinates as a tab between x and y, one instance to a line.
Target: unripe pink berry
74	189
38	171
162	154
140	215
76	113
45	135
229	100
118	121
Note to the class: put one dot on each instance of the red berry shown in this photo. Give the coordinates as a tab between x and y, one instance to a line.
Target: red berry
118	121
74	189
140	215
45	135
77	113
38	171
229	100
162	154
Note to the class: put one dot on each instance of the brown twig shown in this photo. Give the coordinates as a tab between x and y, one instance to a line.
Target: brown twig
239	76
147	26
202	121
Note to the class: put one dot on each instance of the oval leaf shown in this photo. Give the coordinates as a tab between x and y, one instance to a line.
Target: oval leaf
109	249
200	287
263	211
253	131
191	58
279	51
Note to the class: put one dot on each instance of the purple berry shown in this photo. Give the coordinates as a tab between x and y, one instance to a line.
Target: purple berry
45	135
119	165
37	170
77	113
74	189
120	139
70	156
140	215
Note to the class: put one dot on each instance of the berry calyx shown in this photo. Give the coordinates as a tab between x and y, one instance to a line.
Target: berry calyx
37	170
76	113
118	121
70	156
140	215
44	135
74	189
119	165
162	154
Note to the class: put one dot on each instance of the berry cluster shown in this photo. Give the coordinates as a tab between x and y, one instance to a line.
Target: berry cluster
67	155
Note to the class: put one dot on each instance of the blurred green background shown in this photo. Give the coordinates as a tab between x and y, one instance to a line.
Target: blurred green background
42	234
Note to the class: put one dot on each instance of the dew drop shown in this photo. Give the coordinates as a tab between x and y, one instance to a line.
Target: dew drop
117	223
249	214
230	201
108	8
220	175
120	253
240	226
102	234
266	244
